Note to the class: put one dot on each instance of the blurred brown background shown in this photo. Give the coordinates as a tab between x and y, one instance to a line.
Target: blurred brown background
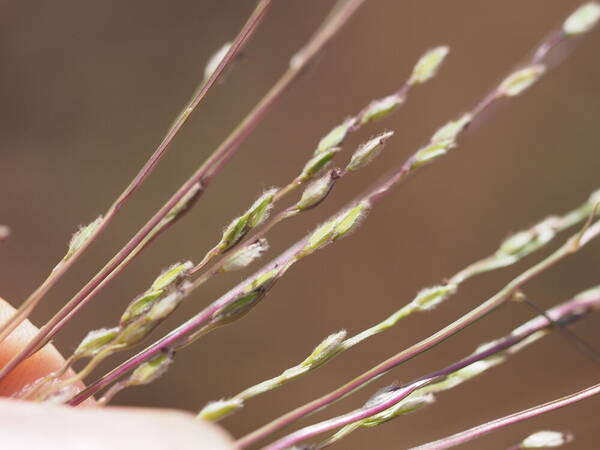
88	89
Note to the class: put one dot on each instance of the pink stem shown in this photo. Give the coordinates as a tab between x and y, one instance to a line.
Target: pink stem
34	299
374	195
351	417
204	316
455	327
481	430
564	313
178	335
203	175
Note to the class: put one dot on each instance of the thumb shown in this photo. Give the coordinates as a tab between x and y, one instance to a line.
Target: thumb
51	427
47	360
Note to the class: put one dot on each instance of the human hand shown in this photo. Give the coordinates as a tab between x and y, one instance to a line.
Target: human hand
26	425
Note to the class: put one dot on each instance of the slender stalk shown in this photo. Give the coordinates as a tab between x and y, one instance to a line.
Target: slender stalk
482	430
351	417
442	141
181	335
110	393
203	175
496	352
218	266
512	250
149	238
538	56
64	265
350	124
191	326
504	295
300	180
313	196
565	313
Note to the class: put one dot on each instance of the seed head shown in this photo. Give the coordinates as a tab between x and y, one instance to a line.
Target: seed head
337	227
368	151
140	305
95	341
520	80
168	280
260	209
325	350
245	256
136	330
233	233
348	221
319	161
149	371
254	216
81	236
428	65
428	298
407	405
219	409
316	191
583	19
525	242
450	131
336	136
321	236
430	153
172	276
253	293
546	439
215	60
380	108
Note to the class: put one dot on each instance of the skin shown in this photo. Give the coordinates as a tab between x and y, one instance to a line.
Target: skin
53	427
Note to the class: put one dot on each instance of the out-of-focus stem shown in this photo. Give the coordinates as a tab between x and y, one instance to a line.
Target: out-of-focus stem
217	267
203	175
538	56
566	312
63	266
337	422
375	194
266	227
482	430
298	182
504	295
495	261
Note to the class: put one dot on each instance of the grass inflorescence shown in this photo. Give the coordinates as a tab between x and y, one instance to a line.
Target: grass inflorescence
244	240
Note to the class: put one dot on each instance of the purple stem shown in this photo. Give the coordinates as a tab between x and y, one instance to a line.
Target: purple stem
567	312
555	38
481	430
177	335
455	327
351	417
202	318
449	330
62	267
552	41
564	313
203	175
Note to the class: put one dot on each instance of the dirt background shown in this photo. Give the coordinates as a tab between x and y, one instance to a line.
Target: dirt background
87	90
